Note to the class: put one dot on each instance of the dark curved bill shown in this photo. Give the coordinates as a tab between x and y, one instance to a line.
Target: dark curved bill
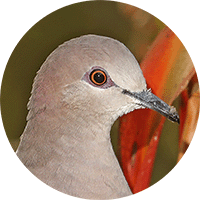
149	100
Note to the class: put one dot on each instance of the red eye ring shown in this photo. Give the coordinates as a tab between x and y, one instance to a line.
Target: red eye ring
98	77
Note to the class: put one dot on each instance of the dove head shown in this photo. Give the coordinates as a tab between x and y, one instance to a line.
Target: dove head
87	75
95	77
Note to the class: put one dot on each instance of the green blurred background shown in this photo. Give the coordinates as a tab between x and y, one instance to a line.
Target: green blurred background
135	28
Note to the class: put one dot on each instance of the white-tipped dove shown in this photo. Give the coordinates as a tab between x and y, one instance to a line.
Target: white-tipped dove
78	93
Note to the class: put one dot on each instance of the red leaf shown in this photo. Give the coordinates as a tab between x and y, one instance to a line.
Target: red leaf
167	68
182	114
189	113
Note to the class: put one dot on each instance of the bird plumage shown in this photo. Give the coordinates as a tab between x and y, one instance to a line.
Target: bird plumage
66	142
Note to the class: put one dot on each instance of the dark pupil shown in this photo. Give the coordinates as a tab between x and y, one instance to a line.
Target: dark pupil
99	77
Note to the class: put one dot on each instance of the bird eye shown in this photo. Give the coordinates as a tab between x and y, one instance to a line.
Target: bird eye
98	77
